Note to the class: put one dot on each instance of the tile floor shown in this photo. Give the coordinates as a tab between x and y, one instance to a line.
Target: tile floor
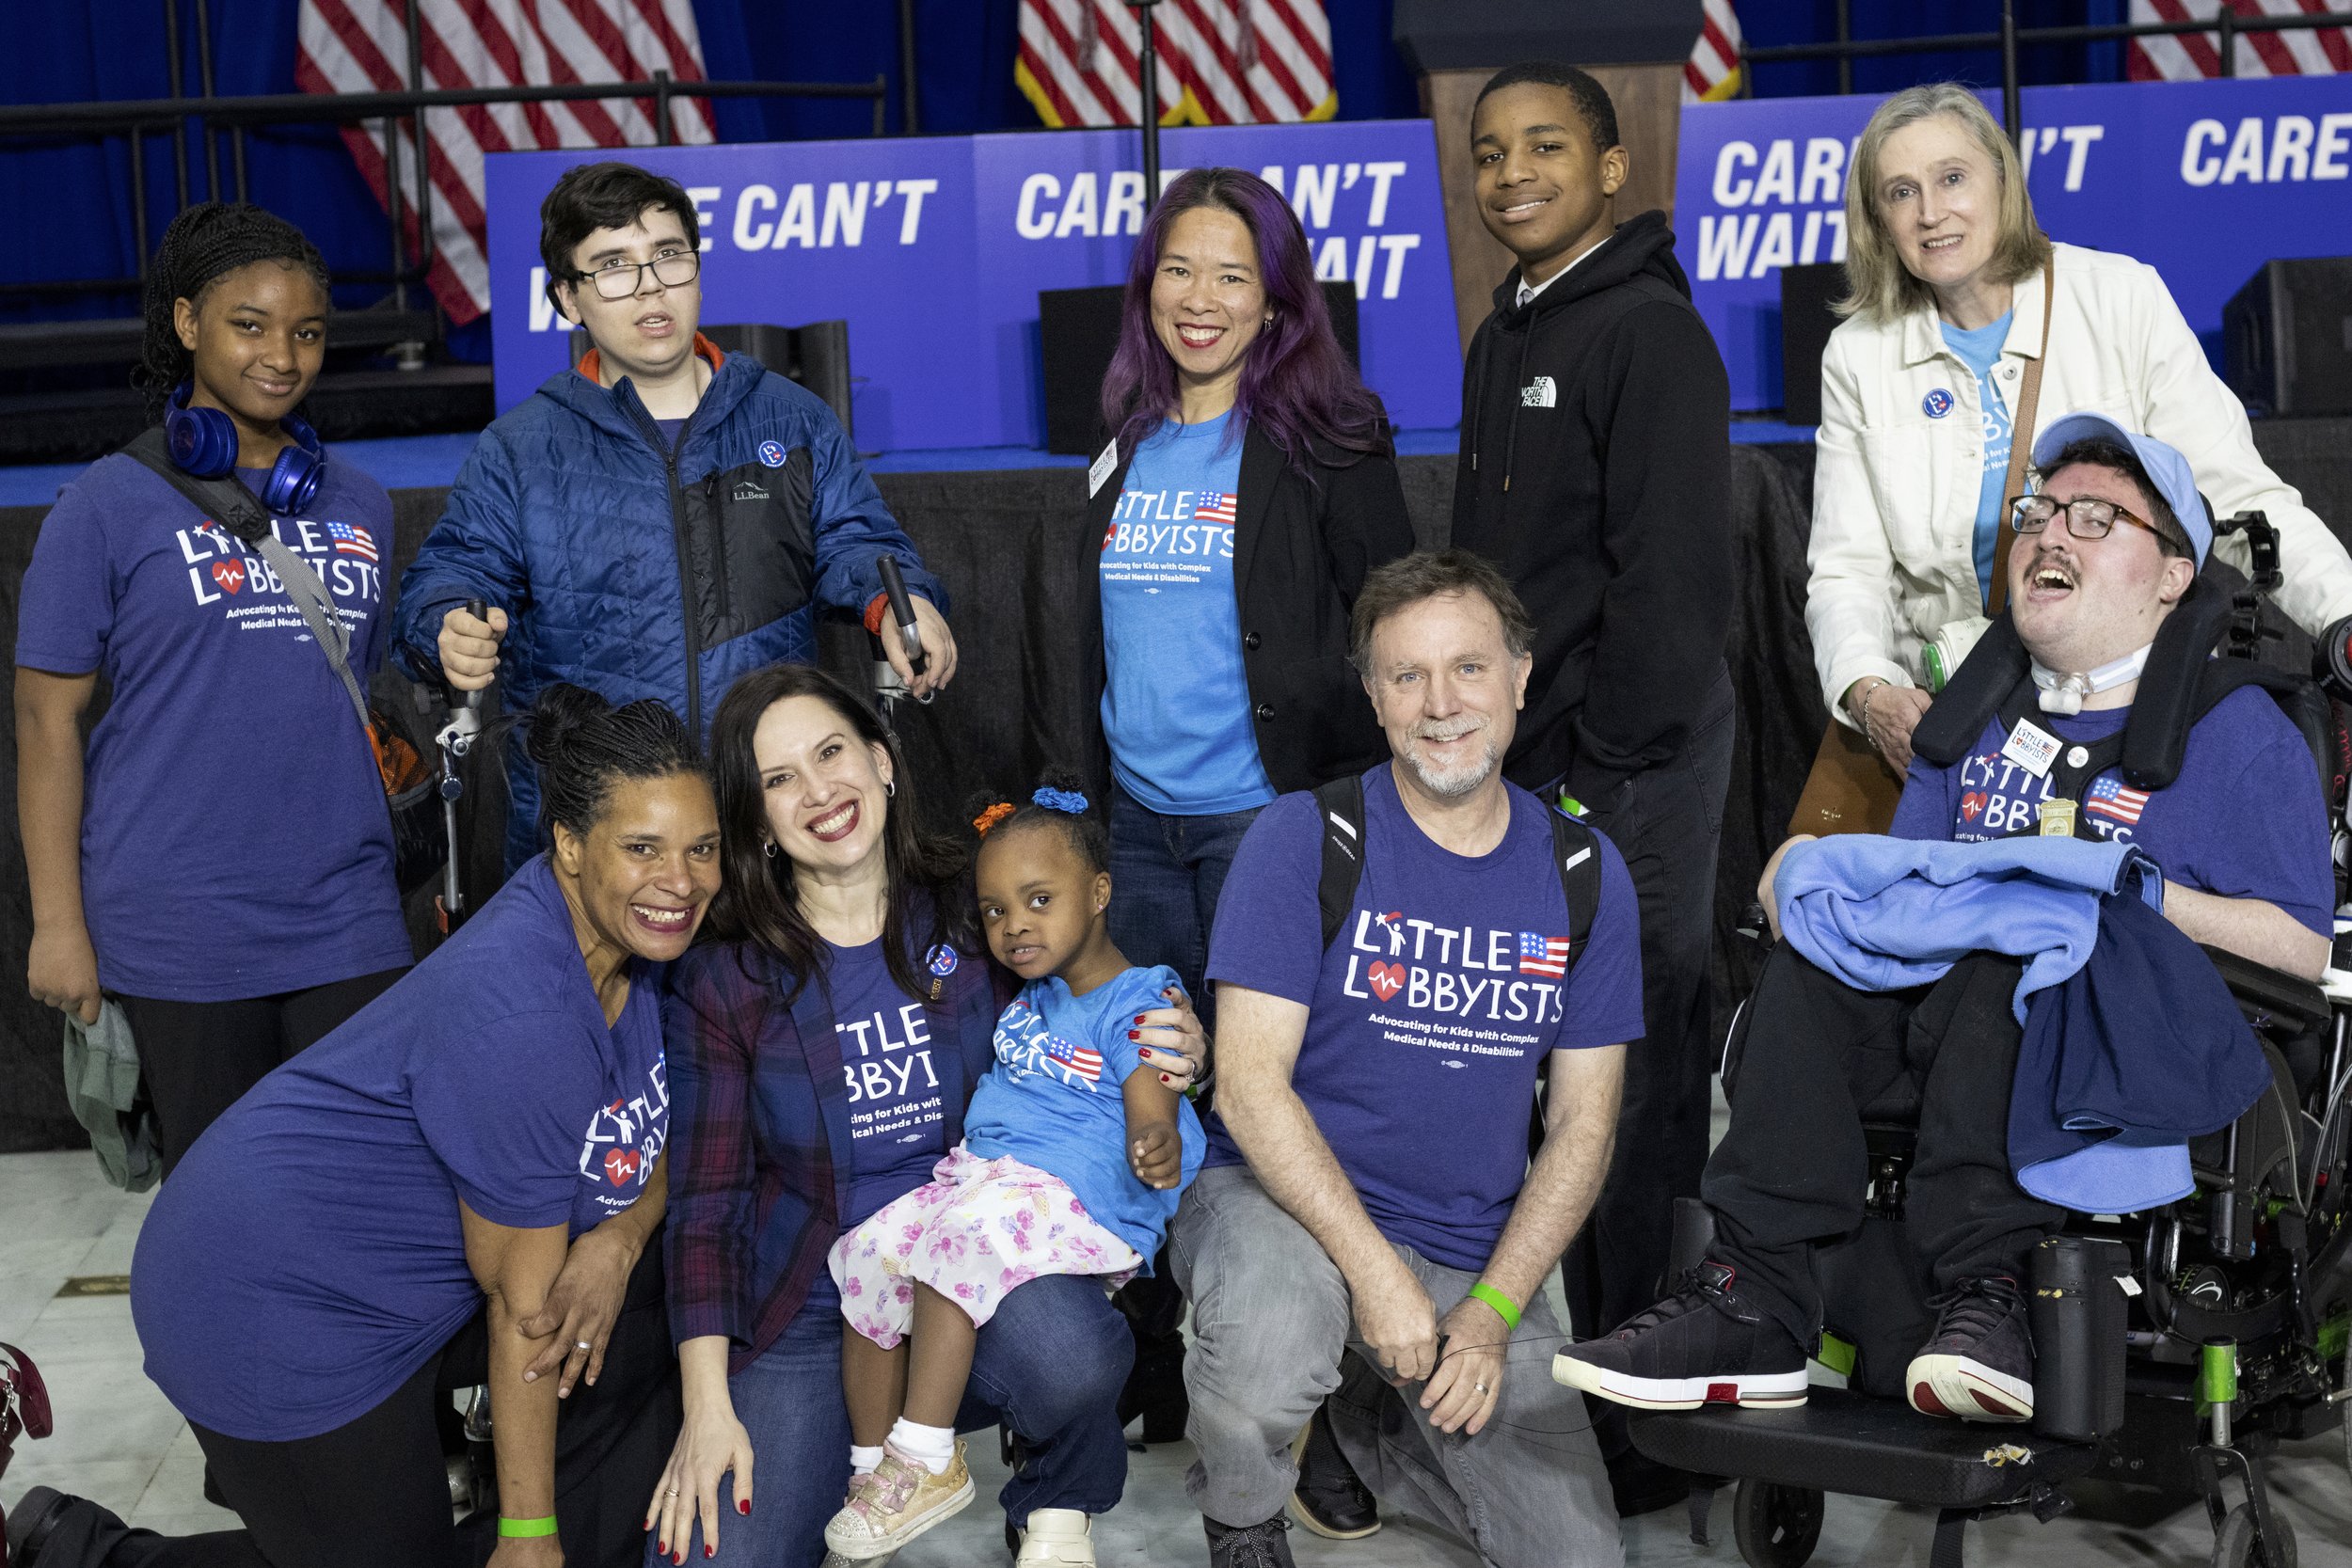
117	1441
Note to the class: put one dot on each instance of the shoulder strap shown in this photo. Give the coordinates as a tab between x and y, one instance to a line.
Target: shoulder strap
232	506
2021	447
1578	860
1341	805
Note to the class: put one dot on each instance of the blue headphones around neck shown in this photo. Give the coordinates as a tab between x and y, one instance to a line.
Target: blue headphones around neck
203	442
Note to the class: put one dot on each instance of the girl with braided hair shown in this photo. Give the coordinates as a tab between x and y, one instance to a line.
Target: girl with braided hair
221	858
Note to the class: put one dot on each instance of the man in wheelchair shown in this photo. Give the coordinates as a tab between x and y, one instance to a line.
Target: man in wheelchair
2106	553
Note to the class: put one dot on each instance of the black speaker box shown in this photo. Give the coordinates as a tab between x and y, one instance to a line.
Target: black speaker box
2287	338
1805	323
1078	330
816	355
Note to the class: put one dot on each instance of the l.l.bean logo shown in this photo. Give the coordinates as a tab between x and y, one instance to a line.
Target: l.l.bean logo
230	574
1385	979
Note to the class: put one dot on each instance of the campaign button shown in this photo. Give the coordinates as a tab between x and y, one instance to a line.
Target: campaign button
1936	404
2077	756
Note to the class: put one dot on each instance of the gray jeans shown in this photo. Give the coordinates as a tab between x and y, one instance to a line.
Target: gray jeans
1273	1334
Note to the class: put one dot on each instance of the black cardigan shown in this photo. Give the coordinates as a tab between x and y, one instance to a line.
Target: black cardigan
1301	549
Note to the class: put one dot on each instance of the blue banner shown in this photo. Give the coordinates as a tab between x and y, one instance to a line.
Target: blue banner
2203	180
934	248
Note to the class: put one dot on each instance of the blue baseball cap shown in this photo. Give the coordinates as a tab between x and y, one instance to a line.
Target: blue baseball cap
2168	469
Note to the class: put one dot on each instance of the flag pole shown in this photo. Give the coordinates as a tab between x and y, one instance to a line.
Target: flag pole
1148	85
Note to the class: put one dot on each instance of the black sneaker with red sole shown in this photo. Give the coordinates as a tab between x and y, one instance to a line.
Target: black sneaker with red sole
1702	1345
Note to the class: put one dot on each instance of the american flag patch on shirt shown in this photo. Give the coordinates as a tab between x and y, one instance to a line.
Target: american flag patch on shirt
352	541
1541	955
1086	1063
1215	506
2111	799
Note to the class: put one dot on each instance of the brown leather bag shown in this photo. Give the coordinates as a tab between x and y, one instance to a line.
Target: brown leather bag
1851	789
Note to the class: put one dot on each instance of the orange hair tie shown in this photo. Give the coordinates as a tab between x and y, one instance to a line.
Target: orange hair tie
989	818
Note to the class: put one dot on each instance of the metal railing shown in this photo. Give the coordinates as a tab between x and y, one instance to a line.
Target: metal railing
214	116
2224	27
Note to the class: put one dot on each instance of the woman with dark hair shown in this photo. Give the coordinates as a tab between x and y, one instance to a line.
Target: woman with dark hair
1249	486
227	875
821	1056
461	1185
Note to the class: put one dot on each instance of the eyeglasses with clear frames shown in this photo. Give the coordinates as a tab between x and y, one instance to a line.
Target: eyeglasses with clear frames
618	280
2086	516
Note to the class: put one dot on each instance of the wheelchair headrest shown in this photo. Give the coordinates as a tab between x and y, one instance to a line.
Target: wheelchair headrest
2172	694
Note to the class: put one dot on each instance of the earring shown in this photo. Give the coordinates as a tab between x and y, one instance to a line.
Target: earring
890	789
771	847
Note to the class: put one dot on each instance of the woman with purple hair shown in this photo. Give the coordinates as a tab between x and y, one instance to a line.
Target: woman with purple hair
1249	486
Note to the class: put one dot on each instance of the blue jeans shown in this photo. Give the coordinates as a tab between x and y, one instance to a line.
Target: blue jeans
1166	875
1050	1363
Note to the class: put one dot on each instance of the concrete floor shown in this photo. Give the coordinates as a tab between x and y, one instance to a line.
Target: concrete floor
119	1441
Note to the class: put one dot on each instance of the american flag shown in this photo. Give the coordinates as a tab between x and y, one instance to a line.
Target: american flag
352	541
1712	73
1541	955
2188	56
1215	506
1086	1063
1221	62
2109	798
362	46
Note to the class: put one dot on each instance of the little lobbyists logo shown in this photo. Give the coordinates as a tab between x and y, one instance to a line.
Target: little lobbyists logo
1456	971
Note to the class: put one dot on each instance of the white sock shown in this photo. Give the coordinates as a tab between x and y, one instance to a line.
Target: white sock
934	1448
864	1462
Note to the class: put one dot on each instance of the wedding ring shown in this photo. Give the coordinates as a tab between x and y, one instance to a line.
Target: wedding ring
580	1344
673	1490
1481	1387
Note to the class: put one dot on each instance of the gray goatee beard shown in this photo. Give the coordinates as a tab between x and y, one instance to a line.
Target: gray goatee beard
1454	782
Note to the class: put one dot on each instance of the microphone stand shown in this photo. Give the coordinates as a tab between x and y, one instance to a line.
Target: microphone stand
1150	86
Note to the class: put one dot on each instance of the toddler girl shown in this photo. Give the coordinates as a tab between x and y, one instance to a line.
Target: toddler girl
1074	1154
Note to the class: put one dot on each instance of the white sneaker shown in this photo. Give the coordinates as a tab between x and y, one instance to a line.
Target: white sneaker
1058	1535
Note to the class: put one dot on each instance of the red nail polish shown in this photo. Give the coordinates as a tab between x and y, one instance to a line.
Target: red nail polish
662	1549
742	1505
1138	1017
1165	1079
711	1551
1133	1036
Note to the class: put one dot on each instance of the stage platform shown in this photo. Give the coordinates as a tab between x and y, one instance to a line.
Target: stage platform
430	462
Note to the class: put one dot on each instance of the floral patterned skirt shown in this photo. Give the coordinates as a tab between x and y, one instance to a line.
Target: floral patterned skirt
976	1230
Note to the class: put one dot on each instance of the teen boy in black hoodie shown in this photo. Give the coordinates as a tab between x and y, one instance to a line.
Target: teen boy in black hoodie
1596	472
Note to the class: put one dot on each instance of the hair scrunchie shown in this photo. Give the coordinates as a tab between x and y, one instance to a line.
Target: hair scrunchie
989	818
1067	802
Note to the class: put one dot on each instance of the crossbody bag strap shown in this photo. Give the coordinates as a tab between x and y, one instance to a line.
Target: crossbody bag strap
2020	449
234	508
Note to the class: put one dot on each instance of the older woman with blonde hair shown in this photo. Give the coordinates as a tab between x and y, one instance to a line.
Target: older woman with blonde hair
1960	309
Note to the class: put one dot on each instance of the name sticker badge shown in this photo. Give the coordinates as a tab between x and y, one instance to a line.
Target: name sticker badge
2031	748
1102	469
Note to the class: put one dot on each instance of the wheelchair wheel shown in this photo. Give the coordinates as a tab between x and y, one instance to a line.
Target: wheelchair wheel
2233	1545
1776	1526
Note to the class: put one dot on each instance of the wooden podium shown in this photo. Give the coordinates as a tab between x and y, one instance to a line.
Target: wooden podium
1635	50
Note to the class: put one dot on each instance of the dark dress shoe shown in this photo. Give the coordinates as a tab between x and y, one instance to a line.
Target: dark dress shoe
30	1526
1329	1498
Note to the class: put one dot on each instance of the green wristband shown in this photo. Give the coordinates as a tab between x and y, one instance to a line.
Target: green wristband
526	1529
1496	1299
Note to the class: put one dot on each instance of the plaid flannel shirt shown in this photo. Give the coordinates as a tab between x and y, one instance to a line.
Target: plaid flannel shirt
759	1131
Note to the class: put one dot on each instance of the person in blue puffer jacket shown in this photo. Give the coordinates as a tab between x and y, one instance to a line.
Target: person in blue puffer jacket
658	520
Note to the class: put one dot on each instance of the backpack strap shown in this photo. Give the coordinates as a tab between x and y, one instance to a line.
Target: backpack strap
1341	805
1576	855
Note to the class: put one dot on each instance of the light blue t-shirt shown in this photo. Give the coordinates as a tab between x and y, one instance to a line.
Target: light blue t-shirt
1176	707
1053	1099
1979	349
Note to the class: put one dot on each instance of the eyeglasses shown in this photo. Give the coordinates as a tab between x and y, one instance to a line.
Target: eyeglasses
619	279
2086	516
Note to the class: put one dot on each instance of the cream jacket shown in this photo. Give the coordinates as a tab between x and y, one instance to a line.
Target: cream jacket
1895	487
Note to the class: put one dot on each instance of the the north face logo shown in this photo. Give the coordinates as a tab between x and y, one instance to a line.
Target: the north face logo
749	490
1539	393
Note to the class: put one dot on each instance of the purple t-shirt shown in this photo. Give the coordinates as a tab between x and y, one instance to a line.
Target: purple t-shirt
2245	819
897	1119
234	837
308	1255
1433	1007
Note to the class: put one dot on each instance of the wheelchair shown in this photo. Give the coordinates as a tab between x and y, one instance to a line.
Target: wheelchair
2175	1349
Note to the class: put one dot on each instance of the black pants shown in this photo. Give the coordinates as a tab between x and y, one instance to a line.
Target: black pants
373	1492
1816	1059
197	1058
1666	824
